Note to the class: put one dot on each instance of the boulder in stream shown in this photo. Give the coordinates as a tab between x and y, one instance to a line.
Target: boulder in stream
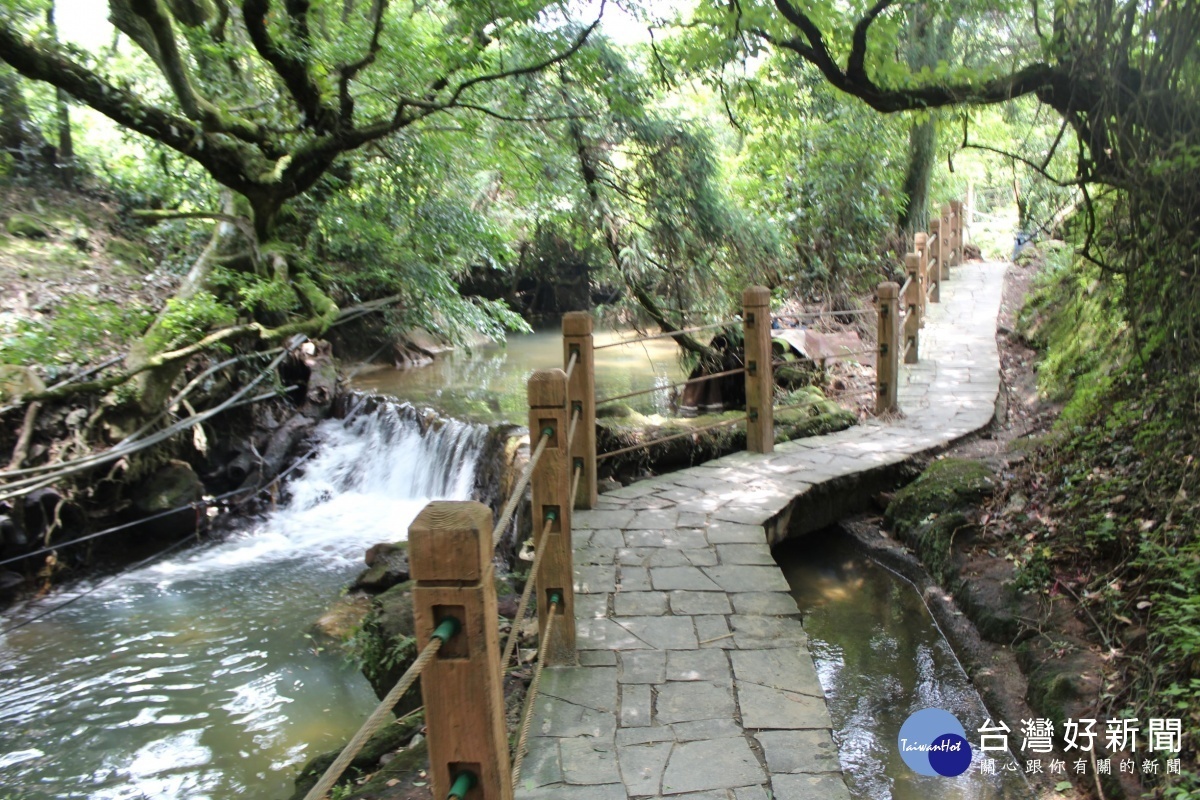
387	565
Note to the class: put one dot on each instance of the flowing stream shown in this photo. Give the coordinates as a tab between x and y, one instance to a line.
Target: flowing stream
881	656
194	677
487	383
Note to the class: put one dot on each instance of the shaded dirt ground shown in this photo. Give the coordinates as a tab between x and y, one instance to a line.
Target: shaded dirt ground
85	250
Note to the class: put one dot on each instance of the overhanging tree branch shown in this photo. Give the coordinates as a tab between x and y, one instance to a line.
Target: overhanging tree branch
223	158
294	71
349	71
528	69
1051	84
858	48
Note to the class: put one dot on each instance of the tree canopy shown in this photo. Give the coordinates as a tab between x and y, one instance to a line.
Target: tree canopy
266	96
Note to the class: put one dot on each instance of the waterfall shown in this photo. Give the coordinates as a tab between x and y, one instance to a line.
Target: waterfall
194	677
371	473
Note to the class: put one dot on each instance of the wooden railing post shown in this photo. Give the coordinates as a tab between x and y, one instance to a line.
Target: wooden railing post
887	367
934	259
450	556
581	397
956	210
943	250
760	382
912	308
551	487
920	244
948	233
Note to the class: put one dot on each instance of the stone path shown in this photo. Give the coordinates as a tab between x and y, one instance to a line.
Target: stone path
695	681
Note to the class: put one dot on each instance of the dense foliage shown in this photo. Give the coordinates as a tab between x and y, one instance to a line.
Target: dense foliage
462	167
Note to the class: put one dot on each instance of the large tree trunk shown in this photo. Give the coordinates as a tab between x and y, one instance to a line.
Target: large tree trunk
922	149
64	159
927	45
20	138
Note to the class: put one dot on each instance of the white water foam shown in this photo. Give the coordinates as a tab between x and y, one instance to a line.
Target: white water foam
372	473
193	678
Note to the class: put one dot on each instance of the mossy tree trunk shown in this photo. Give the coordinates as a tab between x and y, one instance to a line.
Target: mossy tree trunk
928	43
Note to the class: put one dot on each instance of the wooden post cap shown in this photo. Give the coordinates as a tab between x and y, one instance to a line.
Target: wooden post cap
756	296
920	239
912	262
450	540
547	388
888	290
577	323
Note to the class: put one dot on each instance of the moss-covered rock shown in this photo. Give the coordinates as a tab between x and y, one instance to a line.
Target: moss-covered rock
932	511
341	620
27	227
390	740
949	484
798	374
385	645
387	566
809	413
129	257
1055	683
812	414
174	485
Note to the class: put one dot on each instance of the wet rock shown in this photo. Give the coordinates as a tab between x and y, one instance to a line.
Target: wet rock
173	485
387	566
386	645
11	535
391	740
341	619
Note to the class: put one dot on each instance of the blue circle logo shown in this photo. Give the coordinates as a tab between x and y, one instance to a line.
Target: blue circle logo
933	742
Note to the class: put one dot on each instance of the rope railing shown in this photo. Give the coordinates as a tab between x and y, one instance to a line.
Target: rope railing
673	437
575	483
847	312
452	565
571	362
514	634
446	630
48	474
575	415
674	386
666	335
518	491
532	695
208	502
903	308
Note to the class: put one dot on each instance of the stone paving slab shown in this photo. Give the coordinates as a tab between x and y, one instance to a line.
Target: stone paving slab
695	680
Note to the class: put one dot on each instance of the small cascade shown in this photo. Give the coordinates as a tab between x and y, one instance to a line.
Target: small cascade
194	677
382	447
